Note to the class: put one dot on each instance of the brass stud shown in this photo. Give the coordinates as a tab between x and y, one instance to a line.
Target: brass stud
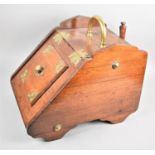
115	65
57	127
39	70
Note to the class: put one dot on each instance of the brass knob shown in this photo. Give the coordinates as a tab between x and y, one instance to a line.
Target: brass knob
57	127
115	65
39	70
103	29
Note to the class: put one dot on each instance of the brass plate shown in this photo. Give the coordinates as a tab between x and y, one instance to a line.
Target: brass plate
31	96
60	36
76	56
48	49
24	76
83	54
59	66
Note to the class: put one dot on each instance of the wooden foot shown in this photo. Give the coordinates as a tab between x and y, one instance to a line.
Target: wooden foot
53	134
49	136
117	118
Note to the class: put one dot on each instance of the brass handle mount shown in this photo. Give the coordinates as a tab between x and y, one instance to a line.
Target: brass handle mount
103	29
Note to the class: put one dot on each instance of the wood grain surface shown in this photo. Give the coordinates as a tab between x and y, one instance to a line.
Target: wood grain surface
73	88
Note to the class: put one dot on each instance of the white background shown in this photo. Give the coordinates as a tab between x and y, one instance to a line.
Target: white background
22	27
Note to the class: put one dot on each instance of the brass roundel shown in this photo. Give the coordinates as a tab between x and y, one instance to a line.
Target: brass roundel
57	127
115	65
39	70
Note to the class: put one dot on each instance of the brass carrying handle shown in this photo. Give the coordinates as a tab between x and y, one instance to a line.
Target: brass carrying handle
103	29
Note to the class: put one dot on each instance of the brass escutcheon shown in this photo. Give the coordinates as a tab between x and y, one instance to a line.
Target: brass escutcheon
103	29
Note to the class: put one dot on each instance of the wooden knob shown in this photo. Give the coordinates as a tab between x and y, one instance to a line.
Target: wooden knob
122	30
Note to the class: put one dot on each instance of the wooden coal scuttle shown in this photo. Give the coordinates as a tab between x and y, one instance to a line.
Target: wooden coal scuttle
79	73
